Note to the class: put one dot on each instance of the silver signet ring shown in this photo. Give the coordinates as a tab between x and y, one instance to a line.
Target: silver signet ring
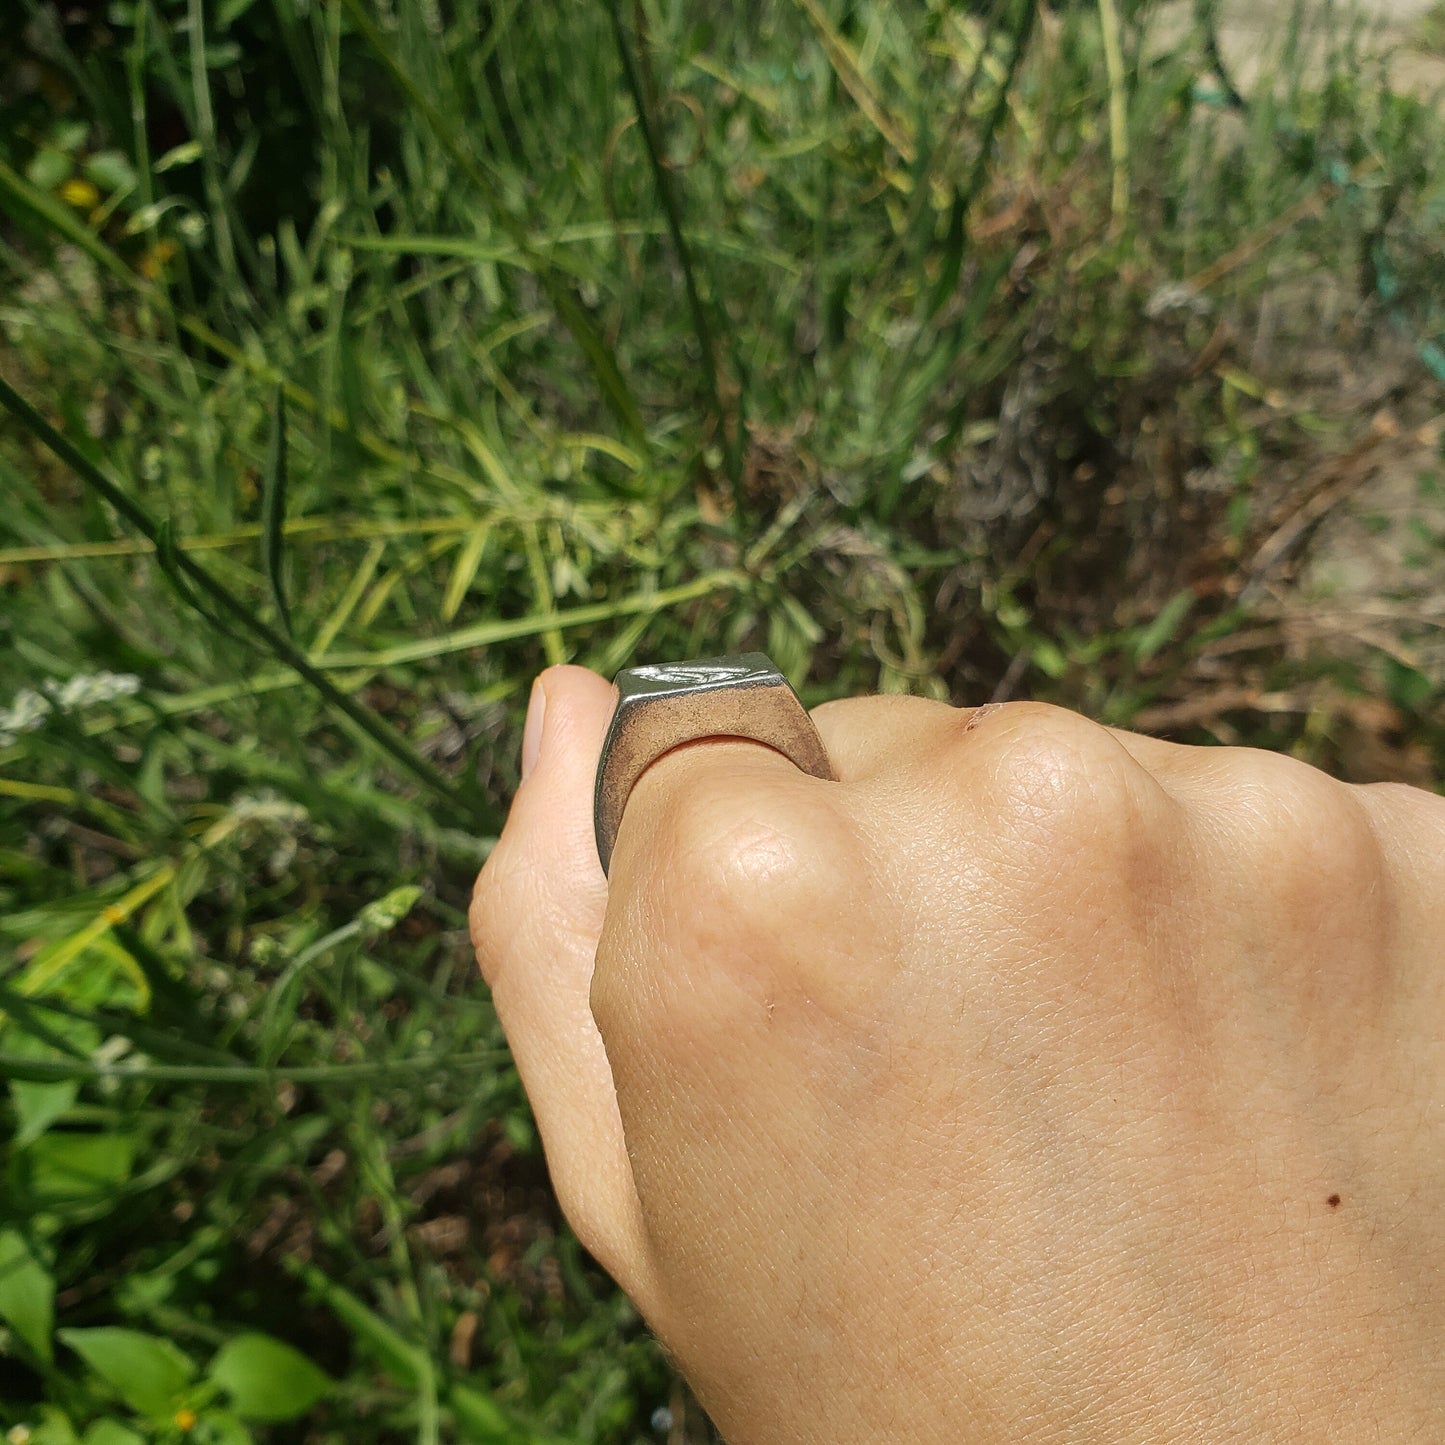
660	708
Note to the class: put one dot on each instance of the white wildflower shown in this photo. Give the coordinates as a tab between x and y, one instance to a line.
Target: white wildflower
29	708
1176	296
267	807
89	689
267	817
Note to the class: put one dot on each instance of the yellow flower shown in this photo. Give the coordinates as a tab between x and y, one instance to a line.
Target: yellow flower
186	1420
154	261
79	193
19	1435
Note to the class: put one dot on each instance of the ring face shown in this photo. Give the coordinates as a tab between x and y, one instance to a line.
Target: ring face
663	706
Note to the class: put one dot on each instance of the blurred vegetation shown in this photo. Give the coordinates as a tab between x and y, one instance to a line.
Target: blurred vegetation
359	359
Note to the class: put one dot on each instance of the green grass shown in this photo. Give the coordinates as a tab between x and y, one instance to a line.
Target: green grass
368	362
1432	29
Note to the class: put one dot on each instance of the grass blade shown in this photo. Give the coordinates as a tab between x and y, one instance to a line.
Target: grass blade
845	65
552	644
732	436
273	513
469	559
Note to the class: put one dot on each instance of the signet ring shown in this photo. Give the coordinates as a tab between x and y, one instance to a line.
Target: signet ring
661	707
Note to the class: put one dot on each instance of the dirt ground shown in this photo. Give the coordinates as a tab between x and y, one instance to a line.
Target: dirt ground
1376	564
1252	34
1367	545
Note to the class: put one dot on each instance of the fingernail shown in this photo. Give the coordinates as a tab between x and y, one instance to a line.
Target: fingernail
532	733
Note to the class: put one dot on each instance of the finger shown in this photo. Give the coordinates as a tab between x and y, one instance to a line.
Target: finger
869	736
536	916
879	738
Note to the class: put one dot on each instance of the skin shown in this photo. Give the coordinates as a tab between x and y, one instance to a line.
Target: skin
1034	1081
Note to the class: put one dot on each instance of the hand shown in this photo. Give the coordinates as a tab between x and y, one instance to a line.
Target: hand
1032	1082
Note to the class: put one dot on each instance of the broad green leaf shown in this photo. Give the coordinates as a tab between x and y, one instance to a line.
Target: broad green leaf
27	1293
148	1373
267	1379
48	168
221	1427
72	1166
38	1106
111	171
111	1432
53	1428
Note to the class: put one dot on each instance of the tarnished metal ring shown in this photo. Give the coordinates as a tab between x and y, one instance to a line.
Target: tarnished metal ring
660	708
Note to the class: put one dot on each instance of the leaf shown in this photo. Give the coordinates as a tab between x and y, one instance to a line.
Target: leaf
38	1106
231	11
273	512
952	260
111	171
111	1432
267	1379
383	914
48	168
27	1293
1164	625
381	732
403	1361
1049	658
479	1419
1409	688
147	1372
63	1165
181	155
53	1428
222	1427
465	570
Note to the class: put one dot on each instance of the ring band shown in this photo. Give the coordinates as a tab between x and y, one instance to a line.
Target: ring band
662	707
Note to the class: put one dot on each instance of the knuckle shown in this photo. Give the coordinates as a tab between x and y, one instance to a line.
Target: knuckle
1309	834
1056	781
740	862
757	895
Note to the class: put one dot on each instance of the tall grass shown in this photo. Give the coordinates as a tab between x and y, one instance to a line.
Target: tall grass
362	359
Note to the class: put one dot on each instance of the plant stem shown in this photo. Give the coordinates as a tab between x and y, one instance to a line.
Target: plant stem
15	1066
1118	115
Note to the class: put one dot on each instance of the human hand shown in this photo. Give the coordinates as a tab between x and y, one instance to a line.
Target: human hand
1032	1081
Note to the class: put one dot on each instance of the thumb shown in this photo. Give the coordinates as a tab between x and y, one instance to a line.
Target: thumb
536	916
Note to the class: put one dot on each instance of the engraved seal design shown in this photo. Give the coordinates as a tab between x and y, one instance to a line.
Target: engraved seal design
664	705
